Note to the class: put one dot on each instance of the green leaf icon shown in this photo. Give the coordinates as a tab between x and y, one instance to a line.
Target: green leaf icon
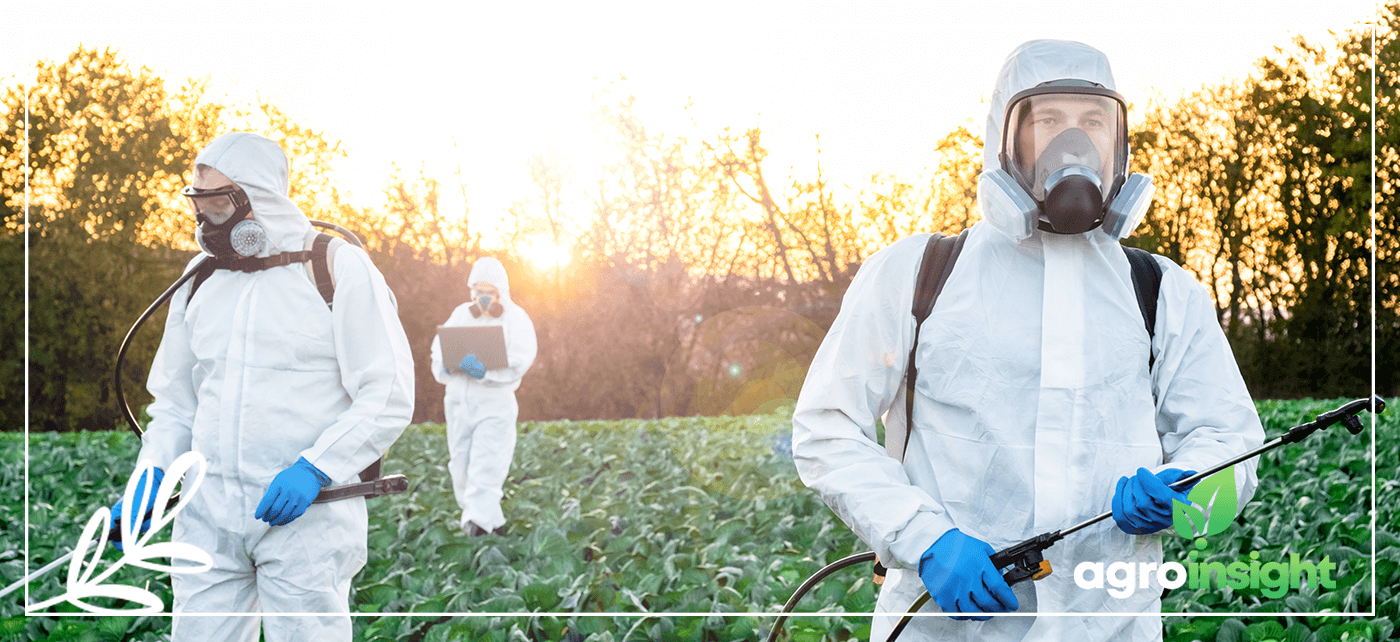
1188	520
1212	508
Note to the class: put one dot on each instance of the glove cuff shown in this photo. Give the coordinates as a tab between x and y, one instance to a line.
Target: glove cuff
311	468
952	533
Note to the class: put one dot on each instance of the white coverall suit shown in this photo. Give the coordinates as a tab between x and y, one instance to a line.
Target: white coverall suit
253	373
481	413
1033	398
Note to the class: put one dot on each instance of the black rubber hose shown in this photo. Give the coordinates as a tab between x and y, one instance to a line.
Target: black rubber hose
165	296
349	236
868	556
904	621
126	342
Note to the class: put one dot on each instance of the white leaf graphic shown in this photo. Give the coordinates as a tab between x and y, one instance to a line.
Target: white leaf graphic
140	552
94	526
173	550
187	471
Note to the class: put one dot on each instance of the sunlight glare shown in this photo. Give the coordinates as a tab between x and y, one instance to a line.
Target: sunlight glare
545	254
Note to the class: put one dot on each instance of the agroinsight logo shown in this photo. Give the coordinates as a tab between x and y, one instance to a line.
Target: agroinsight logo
1212	507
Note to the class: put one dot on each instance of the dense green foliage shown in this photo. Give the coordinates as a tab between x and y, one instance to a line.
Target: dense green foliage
70	475
702	515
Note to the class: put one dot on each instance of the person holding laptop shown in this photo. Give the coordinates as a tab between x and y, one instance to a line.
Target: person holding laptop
480	399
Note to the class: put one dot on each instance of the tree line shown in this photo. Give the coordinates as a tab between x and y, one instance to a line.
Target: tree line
696	284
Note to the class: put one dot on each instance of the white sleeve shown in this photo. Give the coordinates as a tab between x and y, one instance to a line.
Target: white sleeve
376	370
855	377
437	367
521	348
1204	412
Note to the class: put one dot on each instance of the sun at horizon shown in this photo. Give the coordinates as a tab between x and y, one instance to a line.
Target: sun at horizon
545	253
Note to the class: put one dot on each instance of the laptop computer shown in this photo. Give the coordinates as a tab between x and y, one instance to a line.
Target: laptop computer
487	342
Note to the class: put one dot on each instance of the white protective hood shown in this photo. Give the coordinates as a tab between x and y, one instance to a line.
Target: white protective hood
259	166
490	270
519	330
1029	65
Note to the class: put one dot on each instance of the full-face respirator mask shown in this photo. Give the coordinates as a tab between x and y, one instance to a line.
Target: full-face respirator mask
485	302
225	231
1064	163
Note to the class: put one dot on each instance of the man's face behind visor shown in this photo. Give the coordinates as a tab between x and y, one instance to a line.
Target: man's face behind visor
216	205
1054	133
213	197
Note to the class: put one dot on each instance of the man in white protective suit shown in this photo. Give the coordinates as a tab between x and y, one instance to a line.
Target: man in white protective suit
1035	405
283	395
480	403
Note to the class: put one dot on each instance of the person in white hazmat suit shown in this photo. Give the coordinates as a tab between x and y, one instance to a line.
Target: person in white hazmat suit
1035	405
282	395
480	404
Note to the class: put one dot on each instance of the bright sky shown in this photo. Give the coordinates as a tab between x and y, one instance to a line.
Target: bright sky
484	85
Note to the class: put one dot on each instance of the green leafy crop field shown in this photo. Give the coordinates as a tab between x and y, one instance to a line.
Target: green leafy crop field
616	520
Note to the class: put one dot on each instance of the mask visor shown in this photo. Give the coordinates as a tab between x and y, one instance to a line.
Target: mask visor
1057	130
216	205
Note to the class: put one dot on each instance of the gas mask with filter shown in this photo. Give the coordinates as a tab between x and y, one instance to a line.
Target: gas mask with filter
485	302
1064	163
225	231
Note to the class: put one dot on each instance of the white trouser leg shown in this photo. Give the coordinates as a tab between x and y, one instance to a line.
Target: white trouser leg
230	586
459	444
492	447
307	566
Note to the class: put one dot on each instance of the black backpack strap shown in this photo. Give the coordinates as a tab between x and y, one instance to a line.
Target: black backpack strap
940	254
242	264
325	284
372	473
320	267
1147	283
254	264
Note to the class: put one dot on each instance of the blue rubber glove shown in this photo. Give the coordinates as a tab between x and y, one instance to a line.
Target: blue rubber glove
1142	503
958	573
290	493
472	366
159	475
